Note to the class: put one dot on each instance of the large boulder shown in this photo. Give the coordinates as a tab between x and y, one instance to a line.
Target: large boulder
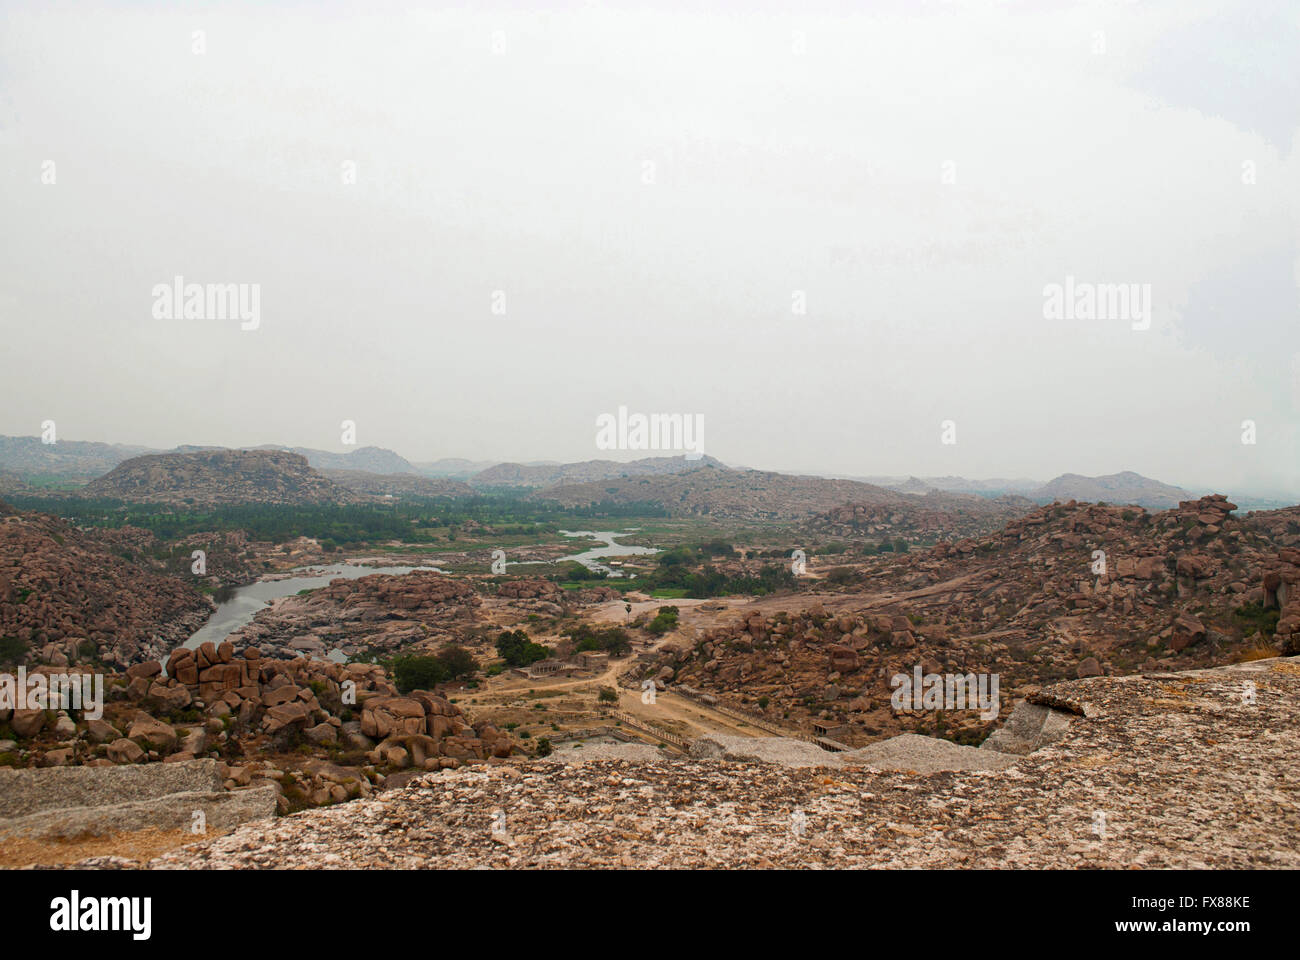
152	734
27	723
1187	631
125	751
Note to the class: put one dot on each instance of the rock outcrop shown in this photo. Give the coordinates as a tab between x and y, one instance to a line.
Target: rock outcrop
211	477
69	802
379	612
236	705
1188	770
1069	591
61	587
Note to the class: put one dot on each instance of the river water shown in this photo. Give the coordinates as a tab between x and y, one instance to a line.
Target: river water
591	558
243	604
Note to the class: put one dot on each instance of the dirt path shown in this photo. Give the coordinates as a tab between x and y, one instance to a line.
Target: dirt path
669	710
676	714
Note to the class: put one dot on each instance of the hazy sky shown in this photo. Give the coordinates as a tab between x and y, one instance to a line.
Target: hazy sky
653	191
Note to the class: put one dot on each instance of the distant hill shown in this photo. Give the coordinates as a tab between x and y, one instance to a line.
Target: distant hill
829	504
455	468
1121	488
212	477
369	459
398	484
586	471
29	457
995	487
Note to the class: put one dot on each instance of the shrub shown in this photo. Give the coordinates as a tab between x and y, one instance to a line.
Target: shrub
12	650
664	621
1255	616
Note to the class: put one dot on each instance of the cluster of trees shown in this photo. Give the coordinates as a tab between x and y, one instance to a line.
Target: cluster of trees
416	672
410	519
518	649
574	571
688	556
274	523
884	546
613	640
711	582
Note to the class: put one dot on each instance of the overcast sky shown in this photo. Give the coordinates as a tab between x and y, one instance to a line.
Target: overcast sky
653	190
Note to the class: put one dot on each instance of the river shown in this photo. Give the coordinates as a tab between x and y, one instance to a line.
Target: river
240	608
590	558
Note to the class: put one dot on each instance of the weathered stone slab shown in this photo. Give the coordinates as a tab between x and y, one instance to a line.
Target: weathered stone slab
29	791
1030	726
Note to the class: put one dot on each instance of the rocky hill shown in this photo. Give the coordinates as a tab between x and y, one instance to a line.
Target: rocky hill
1122	488
994	487
921	518
379	612
397	484
366	459
455	468
586	471
209	477
1136	755
325	725
759	495
60	586
12	483
1183	588
29	457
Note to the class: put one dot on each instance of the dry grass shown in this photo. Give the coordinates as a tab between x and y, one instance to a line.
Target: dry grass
139	845
1260	651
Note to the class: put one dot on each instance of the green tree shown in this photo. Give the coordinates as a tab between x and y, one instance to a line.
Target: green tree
414	672
458	661
518	649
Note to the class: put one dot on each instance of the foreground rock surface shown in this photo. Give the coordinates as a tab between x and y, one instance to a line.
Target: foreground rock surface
1194	769
74	802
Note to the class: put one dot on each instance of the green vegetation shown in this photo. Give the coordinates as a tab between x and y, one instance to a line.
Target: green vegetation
664	621
409	520
1256	617
572	572
612	640
518	650
415	672
675	573
12	651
